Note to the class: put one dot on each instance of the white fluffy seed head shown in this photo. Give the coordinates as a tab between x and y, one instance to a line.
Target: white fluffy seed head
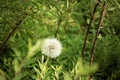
51	47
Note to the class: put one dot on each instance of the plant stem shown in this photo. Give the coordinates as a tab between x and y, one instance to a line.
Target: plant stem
58	25
97	33
87	33
15	27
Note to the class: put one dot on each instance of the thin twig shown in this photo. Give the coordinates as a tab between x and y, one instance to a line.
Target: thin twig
97	33
87	33
15	27
58	25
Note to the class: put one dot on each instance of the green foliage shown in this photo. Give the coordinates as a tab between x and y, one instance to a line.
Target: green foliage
21	59
108	57
43	67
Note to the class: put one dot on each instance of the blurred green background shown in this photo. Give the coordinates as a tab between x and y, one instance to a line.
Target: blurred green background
66	20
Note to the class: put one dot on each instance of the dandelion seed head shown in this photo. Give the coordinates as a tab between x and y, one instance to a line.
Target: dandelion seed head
51	47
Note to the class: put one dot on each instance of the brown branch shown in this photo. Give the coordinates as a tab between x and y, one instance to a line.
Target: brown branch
87	33
58	25
15	27
97	33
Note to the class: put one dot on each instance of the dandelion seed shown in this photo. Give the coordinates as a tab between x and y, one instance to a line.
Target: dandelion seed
51	47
